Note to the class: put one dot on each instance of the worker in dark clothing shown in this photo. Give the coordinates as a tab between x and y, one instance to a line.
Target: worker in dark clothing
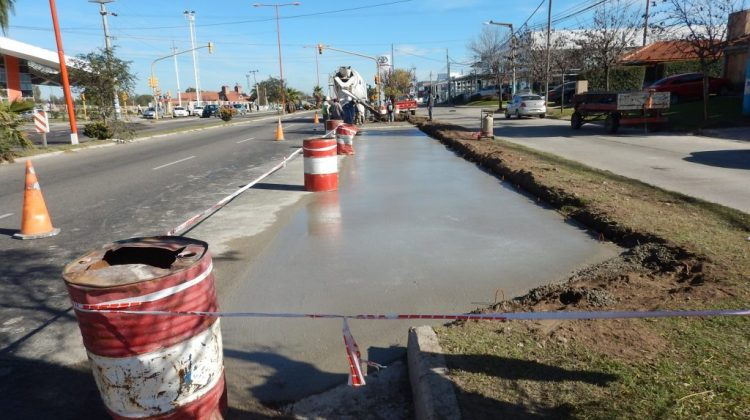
349	112
337	112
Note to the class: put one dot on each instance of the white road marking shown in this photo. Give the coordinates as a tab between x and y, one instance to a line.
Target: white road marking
5	215
242	141
172	163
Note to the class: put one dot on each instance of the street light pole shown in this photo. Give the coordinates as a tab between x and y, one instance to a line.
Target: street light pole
512	53
177	74
257	93
190	16
108	47
278	39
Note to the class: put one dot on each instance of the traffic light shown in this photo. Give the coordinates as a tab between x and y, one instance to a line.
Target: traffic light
320	48
210	47
377	79
153	82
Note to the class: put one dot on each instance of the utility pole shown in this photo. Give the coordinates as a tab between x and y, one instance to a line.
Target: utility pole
177	74
448	60
278	39
393	63
190	16
645	24
108	47
512	54
257	93
546	75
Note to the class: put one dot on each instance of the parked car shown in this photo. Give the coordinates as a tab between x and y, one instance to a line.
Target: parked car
563	92
689	86
179	111
151	113
29	115
526	105
210	111
198	110
240	109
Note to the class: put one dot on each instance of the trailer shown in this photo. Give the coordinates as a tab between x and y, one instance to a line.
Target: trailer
616	109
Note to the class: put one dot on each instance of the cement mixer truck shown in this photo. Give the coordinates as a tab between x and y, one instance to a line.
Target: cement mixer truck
348	85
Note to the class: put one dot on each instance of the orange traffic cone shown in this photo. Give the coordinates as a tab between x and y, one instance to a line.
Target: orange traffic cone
35	222
315	119
279	132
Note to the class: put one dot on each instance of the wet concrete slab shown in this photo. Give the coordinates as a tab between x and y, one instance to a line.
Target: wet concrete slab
413	229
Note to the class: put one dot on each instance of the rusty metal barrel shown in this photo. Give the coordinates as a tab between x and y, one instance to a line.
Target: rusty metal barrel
321	164
151	365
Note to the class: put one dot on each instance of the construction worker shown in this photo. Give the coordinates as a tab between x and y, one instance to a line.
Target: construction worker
360	118
325	109
337	112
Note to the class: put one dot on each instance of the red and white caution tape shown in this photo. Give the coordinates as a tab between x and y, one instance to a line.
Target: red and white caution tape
193	221
353	355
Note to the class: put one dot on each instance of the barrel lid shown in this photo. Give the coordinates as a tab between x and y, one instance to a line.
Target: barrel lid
134	260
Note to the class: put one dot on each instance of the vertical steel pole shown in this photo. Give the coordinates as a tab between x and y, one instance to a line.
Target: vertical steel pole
177	74
546	76
64	75
645	24
190	15
281	67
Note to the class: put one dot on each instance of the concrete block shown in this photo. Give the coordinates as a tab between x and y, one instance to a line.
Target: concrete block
433	391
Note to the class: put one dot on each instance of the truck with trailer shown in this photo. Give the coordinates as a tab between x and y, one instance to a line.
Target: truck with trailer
627	108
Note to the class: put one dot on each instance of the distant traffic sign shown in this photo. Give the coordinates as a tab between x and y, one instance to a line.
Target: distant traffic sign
41	122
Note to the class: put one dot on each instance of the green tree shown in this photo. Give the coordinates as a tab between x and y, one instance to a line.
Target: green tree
293	97
190	89
271	88
318	95
143	100
96	75
11	135
6	8
397	83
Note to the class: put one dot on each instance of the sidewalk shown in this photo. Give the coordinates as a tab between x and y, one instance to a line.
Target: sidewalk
711	169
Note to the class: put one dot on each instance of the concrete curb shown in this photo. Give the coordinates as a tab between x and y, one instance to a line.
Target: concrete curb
434	395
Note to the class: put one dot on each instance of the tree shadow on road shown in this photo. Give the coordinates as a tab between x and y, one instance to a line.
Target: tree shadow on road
476	405
30	389
731	159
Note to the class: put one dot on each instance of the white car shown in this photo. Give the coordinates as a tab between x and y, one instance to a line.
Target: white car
526	105
197	110
179	111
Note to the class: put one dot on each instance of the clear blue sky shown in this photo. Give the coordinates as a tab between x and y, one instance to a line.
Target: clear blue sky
245	36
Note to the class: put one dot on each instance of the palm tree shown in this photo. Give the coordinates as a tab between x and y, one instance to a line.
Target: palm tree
318	94
6	8
292	98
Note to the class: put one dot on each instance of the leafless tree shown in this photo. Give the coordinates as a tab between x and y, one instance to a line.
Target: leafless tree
531	56
613	31
492	48
564	57
706	24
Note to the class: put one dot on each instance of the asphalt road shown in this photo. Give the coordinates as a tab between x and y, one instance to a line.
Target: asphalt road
98	195
60	130
709	168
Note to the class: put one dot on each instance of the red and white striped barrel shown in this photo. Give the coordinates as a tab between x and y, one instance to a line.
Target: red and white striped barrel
345	138
321	164
332	124
151	366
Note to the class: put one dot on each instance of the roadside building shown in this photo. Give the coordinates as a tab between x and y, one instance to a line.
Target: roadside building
22	66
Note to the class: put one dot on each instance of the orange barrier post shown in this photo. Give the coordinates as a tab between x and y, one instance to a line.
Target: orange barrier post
35	222
279	132
315	119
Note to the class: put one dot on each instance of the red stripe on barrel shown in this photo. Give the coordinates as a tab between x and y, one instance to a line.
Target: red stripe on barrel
332	124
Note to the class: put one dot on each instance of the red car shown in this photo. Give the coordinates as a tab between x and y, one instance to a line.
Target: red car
689	86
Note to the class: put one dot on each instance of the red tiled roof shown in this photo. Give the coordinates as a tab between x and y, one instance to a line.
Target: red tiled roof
660	52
